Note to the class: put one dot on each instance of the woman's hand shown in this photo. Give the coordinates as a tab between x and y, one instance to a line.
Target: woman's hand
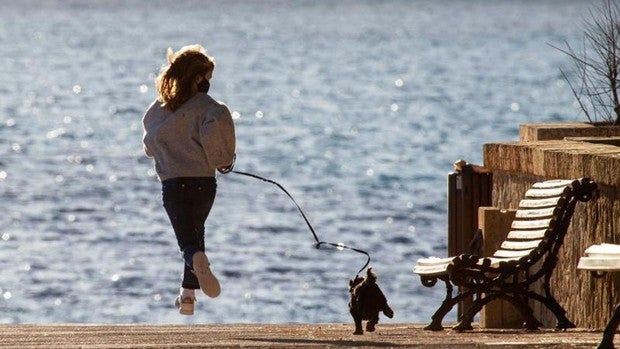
228	168
225	169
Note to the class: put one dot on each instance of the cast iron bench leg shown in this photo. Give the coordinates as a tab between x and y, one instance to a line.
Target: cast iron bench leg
610	330
445	307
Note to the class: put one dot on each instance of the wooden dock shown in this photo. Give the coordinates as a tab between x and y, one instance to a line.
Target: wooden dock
282	336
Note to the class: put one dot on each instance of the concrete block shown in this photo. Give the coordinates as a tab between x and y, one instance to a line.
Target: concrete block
495	225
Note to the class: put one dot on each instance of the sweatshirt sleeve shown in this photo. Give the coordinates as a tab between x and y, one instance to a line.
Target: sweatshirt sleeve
145	148
147	152
217	136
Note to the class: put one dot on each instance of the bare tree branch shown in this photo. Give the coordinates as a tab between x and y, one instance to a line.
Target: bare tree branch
599	75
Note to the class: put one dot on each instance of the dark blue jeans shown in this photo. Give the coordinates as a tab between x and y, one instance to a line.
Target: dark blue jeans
188	201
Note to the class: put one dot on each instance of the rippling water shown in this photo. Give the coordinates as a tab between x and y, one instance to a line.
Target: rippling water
358	108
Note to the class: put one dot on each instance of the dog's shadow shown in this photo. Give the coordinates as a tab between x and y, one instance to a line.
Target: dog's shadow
338	343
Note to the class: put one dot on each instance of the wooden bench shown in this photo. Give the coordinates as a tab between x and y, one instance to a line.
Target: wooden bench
528	254
601	259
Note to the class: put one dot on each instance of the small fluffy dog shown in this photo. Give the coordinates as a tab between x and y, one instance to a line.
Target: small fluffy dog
367	301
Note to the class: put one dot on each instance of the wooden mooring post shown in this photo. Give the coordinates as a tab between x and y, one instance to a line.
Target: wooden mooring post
466	193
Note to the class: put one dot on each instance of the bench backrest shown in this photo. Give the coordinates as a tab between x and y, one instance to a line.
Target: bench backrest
541	221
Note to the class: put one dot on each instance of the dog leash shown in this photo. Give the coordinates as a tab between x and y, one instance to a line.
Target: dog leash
318	243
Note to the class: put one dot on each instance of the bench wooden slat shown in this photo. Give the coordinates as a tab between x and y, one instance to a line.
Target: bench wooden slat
431	270
530	224
599	263
512	253
434	261
495	261
538	203
553	183
434	266
520	245
603	257
546	193
535	213
527	234
603	250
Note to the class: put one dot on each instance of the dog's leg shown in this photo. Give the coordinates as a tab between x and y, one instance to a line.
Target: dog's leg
370	325
357	318
358	327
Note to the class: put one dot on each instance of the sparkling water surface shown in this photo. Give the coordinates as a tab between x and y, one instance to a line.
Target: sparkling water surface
358	108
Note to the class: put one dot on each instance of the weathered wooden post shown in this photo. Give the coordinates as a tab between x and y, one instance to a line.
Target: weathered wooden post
467	191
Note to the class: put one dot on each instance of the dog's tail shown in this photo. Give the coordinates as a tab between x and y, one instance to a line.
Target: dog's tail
370	275
388	311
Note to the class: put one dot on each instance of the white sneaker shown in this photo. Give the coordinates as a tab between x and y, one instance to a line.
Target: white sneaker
185	305
208	282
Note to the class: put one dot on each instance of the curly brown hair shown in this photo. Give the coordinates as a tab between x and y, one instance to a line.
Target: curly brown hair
175	82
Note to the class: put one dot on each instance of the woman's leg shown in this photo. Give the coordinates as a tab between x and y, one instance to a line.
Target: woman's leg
188	202
204	197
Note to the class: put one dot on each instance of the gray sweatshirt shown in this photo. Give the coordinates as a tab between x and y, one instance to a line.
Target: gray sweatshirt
192	141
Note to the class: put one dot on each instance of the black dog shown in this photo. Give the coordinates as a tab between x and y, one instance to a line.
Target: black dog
367	301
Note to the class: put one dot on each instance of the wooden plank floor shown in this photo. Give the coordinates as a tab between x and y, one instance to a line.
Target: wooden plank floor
282	336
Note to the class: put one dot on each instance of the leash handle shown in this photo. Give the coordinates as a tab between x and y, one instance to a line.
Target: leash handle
318	243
